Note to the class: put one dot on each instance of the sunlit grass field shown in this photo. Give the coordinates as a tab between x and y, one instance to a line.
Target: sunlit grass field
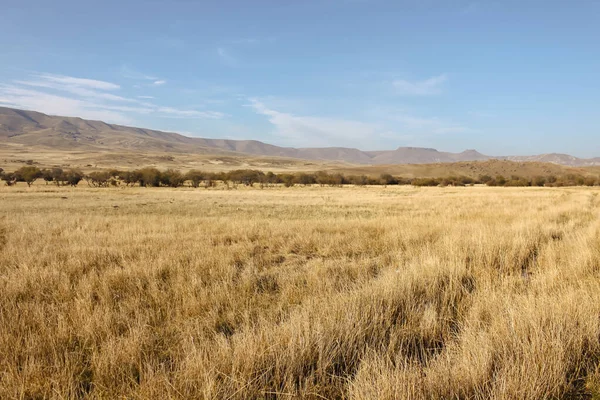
302	292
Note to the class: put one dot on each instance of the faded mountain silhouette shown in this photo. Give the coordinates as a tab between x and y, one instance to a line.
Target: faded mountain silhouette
32	128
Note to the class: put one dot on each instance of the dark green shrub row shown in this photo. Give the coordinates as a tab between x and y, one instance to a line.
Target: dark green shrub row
173	178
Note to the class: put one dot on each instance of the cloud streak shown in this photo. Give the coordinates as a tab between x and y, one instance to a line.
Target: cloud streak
130	73
88	98
417	126
12	96
392	128
79	82
318	131
427	87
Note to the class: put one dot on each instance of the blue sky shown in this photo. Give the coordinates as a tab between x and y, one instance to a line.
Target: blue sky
503	77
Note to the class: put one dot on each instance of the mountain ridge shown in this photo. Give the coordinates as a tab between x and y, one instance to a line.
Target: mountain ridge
32	128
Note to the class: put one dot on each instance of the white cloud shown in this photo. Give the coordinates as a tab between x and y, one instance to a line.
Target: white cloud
392	127
58	105
426	87
176	113
318	131
418	125
79	82
131	73
72	87
87	98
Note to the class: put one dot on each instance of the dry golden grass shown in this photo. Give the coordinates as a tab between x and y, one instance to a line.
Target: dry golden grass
14	156
357	293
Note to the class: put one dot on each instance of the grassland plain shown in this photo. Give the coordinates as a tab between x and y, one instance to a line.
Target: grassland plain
303	292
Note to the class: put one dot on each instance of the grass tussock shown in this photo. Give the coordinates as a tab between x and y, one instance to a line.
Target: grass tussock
356	293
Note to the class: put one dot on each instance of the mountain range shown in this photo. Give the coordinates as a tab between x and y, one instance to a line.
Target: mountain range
31	128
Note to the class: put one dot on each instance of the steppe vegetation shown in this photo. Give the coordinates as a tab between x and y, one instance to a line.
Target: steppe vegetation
394	292
153	177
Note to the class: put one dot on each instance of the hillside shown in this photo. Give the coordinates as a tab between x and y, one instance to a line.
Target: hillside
37	133
471	169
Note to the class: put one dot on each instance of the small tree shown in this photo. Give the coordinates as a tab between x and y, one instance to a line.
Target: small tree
98	178
58	176
590	181
130	177
172	177
47	175
387	179
538	181
73	177
149	177
304	179
28	174
10	178
195	177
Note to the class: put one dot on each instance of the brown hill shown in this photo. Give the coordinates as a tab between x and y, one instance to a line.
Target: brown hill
472	169
20	129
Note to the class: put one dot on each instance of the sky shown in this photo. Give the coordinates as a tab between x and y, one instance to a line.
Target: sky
503	77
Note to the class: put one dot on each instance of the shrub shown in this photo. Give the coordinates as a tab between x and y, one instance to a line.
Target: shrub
58	176
195	177
304	179
247	177
149	177
358	180
130	178
47	175
98	178
28	174
387	179
485	179
10	178
172	178
538	181
73	177
425	182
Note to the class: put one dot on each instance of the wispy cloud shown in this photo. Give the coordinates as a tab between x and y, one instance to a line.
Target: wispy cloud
417	125
52	104
318	131
87	98
80	82
131	73
81	87
427	87
176	113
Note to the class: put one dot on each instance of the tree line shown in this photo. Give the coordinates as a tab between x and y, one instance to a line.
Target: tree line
153	177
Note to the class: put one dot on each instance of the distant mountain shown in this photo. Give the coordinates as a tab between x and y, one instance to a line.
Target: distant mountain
557	158
31	128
